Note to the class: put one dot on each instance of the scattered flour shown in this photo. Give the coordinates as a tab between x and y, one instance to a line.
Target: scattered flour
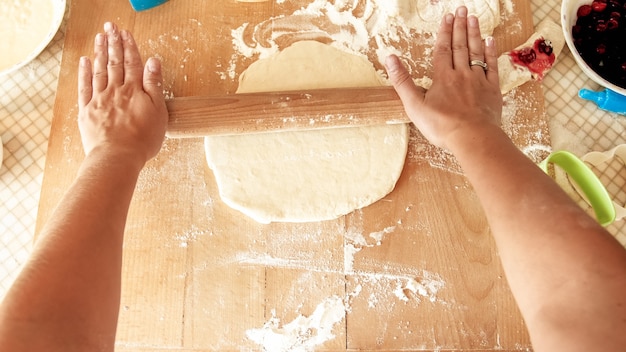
529	139
303	333
363	28
378	236
372	28
426	287
191	235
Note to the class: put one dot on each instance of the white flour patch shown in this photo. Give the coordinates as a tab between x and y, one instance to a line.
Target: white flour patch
355	241
405	284
191	235
349	250
371	28
303	333
378	236
385	280
288	263
426	287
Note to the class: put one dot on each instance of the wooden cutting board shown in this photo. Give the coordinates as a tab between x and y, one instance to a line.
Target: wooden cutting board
198	275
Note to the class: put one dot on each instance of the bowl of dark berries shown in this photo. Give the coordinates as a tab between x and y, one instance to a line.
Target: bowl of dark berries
595	32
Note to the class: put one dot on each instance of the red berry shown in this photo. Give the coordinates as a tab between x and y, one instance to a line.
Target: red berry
599	35
527	55
583	11
545	46
598	6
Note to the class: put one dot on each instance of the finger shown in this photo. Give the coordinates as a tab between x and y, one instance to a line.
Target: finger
460	56
408	92
85	88
475	43
491	58
133	67
153	79
442	52
100	74
115	64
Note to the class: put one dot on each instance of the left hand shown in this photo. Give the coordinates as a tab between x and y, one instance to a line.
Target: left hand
121	108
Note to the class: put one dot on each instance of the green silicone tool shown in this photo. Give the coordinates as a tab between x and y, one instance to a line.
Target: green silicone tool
588	183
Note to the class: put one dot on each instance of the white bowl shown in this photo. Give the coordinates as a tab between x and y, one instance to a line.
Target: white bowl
568	20
57	18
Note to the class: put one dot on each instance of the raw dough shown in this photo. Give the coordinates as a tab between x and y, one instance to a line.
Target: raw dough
24	24
512	75
307	175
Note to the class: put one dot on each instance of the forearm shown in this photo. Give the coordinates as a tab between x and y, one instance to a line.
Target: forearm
562	266
68	294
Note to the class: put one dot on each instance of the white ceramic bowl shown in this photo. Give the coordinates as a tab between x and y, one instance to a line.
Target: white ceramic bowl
568	20
57	19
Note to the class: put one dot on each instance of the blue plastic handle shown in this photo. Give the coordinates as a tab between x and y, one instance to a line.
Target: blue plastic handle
141	5
606	100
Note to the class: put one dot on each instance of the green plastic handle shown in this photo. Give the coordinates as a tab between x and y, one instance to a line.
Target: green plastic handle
587	181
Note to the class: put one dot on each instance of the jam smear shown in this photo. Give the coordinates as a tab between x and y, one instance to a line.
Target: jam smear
538	59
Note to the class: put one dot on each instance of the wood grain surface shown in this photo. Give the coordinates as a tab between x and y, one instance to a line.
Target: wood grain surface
197	275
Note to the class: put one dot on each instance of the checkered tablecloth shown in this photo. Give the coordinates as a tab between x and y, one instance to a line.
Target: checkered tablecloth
26	102
27	99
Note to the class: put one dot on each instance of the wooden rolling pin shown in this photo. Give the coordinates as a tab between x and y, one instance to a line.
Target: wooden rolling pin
283	111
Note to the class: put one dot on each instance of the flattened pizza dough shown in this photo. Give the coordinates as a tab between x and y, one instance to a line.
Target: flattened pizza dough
307	175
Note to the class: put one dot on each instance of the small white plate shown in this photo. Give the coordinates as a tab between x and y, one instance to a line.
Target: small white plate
57	19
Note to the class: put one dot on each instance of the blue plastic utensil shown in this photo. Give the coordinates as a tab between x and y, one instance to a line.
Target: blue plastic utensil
141	5
606	100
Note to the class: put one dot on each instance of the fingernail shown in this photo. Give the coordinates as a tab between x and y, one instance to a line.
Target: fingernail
99	39
472	21
153	65
108	26
489	41
124	35
461	11
84	61
449	18
392	63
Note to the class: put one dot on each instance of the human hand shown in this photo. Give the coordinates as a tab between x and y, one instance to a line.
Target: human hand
121	107
462	98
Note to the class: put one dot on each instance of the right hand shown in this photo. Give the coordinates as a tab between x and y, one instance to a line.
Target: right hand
463	98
